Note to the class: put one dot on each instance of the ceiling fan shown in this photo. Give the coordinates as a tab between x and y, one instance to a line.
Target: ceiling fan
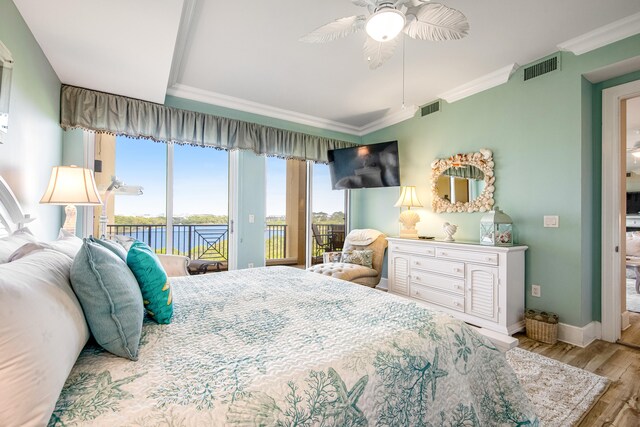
419	19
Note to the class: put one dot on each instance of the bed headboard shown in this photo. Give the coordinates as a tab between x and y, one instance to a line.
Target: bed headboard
11	215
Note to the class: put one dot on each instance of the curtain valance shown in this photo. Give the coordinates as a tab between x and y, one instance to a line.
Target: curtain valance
102	112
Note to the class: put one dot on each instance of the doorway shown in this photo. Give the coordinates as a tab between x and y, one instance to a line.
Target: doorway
630	139
618	166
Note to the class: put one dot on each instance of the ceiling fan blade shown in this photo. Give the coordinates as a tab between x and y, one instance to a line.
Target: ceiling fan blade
364	3
410	3
436	22
376	53
334	30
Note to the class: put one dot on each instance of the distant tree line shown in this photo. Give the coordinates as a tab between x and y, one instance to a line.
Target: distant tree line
318	218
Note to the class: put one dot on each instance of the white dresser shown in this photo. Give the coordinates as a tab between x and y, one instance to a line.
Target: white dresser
481	285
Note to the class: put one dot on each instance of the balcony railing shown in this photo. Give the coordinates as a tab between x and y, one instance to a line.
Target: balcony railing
211	241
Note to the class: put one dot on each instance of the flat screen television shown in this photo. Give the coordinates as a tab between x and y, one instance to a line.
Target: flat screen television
365	166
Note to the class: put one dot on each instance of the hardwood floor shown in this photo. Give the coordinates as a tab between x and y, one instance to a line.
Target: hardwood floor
632	334
620	405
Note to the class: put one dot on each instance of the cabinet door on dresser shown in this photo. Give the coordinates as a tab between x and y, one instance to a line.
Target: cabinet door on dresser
399	273
482	291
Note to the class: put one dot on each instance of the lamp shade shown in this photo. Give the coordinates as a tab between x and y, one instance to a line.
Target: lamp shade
71	185
408	198
385	24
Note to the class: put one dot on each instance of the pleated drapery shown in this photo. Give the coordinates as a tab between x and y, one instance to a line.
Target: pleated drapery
106	113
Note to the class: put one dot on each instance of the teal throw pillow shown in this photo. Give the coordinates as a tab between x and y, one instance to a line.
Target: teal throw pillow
110	298
153	281
114	247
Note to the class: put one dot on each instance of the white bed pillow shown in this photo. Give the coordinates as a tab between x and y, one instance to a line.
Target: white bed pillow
42	331
67	243
10	243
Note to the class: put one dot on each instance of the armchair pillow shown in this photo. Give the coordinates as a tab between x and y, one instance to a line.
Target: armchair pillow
363	257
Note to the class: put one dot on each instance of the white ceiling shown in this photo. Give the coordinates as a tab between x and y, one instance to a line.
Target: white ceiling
249	50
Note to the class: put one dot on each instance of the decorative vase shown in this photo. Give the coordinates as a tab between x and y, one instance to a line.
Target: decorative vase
449	230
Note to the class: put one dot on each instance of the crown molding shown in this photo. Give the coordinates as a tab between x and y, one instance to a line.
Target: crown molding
618	30
391	119
213	98
480	84
180	48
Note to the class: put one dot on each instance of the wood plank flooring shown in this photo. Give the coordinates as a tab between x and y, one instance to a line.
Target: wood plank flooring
632	334
620	405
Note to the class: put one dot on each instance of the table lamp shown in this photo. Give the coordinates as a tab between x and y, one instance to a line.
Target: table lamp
409	218
71	186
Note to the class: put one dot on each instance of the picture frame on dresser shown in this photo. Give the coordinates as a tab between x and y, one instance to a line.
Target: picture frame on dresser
481	285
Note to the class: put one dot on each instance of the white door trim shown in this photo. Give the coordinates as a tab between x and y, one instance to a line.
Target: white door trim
612	218
232	249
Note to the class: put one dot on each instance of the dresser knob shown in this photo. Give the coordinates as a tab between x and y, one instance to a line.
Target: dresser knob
457	270
444	254
489	259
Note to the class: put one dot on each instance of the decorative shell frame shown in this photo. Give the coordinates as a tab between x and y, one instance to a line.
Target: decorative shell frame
483	160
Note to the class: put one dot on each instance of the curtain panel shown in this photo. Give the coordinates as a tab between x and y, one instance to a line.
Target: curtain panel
106	113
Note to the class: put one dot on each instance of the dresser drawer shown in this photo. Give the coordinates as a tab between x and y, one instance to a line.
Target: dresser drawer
438	281
481	257
437	265
425	293
414	249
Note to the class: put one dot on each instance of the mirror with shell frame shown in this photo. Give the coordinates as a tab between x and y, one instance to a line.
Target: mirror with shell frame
6	66
463	183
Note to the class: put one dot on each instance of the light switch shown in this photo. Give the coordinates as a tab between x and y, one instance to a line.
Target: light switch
552	221
252	219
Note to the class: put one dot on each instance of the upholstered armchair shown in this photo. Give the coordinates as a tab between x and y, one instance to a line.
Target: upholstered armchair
174	265
334	266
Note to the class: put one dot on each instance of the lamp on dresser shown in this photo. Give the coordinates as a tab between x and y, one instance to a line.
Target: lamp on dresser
408	199
70	186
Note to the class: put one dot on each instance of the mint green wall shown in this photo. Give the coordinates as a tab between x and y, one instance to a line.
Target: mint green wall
541	134
34	139
73	154
250	179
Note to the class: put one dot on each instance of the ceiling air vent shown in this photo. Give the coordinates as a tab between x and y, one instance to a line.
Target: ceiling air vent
434	107
544	67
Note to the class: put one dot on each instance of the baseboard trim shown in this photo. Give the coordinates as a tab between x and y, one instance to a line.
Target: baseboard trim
579	336
624	320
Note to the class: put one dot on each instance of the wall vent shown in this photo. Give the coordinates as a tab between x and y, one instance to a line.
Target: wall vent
434	107
543	67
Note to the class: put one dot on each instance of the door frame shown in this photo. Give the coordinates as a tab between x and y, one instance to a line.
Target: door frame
612	216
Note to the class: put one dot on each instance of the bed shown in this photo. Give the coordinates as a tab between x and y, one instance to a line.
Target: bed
281	346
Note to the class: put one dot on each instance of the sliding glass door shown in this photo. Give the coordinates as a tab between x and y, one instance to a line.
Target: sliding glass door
173	197
327	219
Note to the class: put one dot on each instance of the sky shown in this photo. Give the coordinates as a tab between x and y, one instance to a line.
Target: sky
201	181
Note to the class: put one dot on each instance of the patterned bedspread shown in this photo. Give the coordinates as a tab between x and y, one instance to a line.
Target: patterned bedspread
281	346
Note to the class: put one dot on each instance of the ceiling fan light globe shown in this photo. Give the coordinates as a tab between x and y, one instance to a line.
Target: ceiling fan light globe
385	24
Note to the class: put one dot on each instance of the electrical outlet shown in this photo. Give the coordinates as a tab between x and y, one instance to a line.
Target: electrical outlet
535	290
551	221
250	265
252	219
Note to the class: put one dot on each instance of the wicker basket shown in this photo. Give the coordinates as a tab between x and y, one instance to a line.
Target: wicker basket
542	326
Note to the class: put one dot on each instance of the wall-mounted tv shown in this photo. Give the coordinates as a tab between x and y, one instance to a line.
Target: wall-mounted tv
365	166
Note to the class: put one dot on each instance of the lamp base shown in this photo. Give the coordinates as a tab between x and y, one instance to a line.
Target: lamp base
409	219
409	234
70	213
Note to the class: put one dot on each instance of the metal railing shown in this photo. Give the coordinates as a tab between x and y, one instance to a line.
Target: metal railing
211	241
275	241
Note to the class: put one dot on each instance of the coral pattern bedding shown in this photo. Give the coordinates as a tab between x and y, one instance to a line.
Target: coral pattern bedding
281	346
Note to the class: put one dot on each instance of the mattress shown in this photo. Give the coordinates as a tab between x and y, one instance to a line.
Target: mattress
282	346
